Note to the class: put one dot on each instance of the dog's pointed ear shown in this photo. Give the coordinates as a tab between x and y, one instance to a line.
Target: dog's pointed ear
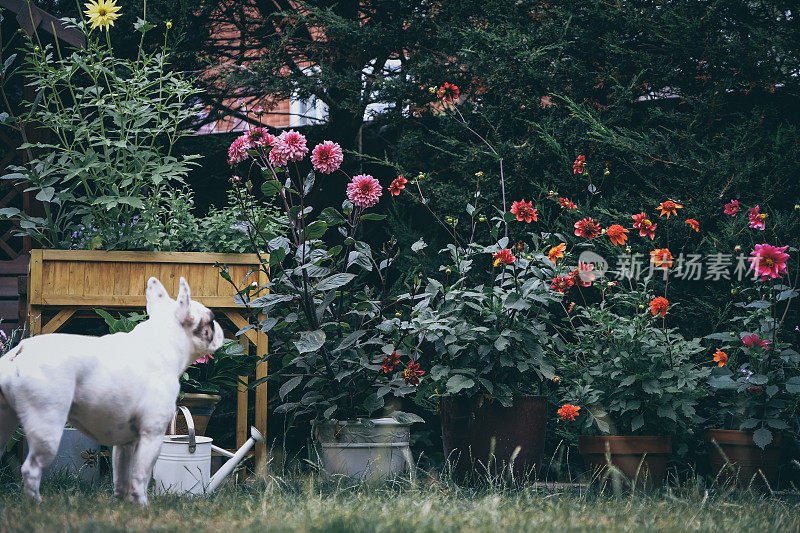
155	293
184	295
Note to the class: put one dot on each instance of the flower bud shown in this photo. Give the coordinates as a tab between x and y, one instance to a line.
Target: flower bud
169	24
737	248
641	306
479	174
482	219
432	90
797	207
398	314
448	271
627	249
606	172
556	379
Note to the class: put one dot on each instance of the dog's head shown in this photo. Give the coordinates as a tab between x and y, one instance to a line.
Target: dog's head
195	319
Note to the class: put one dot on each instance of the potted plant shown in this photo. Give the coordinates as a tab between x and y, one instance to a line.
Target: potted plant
485	344
631	384
757	381
339	357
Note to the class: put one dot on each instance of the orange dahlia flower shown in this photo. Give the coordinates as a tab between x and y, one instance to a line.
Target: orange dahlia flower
720	357
617	235
669	208
695	225
568	412
659	306
556	252
661	258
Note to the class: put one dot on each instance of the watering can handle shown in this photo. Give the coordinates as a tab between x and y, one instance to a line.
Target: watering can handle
189	425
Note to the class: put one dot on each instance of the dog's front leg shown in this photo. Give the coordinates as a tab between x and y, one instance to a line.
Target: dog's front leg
144	457
121	462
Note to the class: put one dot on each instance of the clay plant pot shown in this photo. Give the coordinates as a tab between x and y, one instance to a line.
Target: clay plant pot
736	459
201	406
488	438
642	461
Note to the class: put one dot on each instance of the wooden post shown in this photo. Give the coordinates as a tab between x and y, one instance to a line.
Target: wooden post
242	403
262	349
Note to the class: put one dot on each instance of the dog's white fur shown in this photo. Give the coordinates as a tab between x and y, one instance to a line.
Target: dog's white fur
118	389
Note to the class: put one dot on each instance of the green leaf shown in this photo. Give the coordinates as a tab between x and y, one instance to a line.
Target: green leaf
372	216
287	387
762	437
332	216
334	281
419	245
406	418
46	194
316	229
372	403
793	385
271	187
310	341
459	382
637	423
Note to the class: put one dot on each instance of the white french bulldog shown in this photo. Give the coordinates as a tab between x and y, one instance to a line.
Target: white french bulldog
118	389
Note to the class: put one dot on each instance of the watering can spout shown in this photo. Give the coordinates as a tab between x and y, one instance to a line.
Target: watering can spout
225	470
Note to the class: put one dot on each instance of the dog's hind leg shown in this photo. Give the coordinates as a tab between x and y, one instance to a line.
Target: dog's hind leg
9	422
121	461
144	457
43	432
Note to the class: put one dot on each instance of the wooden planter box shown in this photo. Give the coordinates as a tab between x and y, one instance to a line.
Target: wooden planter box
63	282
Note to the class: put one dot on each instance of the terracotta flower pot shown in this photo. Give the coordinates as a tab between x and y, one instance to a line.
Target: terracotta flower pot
735	458
472	434
201	406
642	461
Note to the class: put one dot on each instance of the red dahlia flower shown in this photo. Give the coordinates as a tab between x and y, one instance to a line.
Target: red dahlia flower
412	373
732	208
524	211
503	256
397	185
587	228
579	164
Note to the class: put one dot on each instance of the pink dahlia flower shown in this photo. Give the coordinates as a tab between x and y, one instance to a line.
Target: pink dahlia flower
732	208
753	340
205	359
364	190
261	137
769	261
757	219
327	157
290	146
237	152
277	158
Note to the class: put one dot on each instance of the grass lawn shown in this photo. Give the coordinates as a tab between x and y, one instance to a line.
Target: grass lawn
310	504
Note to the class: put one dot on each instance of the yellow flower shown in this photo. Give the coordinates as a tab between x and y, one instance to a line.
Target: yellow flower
101	13
169	24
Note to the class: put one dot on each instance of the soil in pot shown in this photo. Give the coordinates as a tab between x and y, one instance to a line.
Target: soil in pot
486	439
736	459
638	462
201	406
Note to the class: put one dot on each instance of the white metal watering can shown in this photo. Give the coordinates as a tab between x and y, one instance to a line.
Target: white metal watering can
184	464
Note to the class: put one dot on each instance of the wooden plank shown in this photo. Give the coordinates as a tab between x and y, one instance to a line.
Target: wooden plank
91	283
8	287
211	280
60	278
240	322
262	349
77	273
241	405
9	310
57	321
127	300
150	257
35	278
122	274
137	278
34	319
